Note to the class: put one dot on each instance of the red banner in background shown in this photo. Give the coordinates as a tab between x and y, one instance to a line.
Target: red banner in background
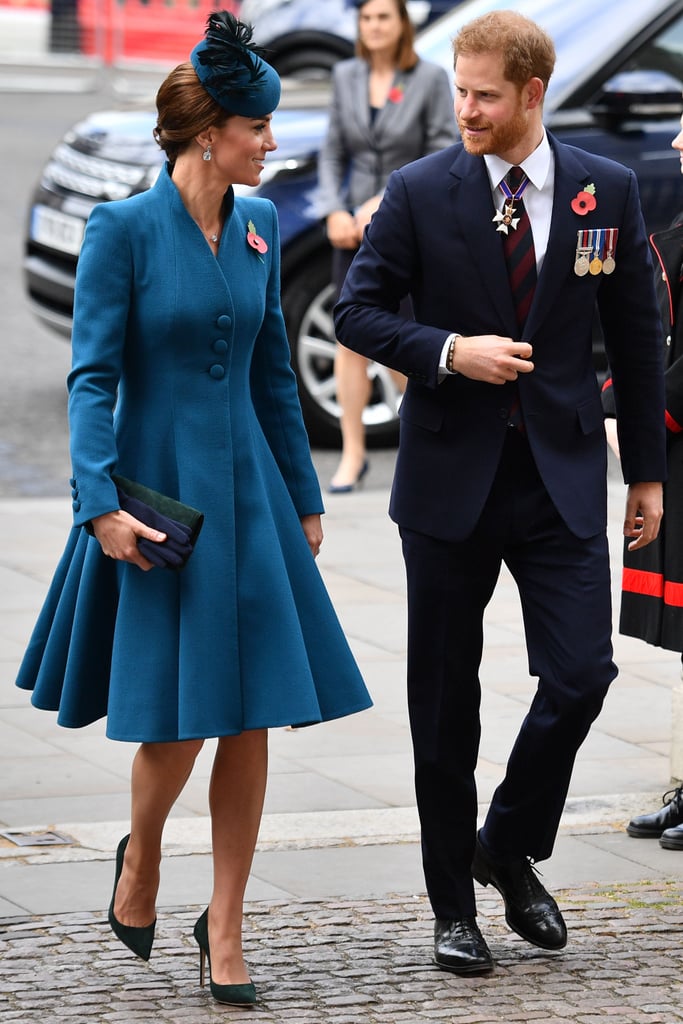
156	30
25	5
124	30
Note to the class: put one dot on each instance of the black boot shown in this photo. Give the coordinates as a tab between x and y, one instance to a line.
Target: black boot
651	826
672	839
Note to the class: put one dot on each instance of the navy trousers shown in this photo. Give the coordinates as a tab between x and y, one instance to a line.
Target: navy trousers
564	587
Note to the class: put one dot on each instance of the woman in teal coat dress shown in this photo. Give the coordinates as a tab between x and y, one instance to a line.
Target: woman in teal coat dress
181	381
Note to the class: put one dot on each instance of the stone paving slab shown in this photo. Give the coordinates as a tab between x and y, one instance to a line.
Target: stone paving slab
359	962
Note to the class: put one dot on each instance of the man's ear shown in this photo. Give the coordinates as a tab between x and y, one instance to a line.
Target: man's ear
535	91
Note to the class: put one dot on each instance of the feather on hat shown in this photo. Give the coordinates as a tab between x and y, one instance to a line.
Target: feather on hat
232	70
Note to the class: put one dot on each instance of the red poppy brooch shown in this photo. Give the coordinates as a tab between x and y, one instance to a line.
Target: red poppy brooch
254	240
395	94
584	201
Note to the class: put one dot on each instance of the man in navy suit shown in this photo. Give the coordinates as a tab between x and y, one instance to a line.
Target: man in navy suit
502	455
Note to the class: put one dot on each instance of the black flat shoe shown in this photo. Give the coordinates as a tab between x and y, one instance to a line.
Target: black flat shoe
138	940
651	826
672	838
460	947
529	909
233	995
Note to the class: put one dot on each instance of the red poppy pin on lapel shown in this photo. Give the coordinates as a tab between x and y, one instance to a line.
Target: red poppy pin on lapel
254	240
395	94
584	201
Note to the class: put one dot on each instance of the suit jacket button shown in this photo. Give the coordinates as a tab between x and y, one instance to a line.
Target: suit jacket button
220	346
217	371
224	321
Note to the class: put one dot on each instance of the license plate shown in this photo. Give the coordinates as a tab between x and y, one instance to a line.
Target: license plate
57	230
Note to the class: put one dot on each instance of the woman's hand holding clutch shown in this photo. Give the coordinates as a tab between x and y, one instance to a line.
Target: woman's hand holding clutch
118	533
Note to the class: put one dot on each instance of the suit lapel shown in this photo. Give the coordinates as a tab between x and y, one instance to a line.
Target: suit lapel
571	175
389	111
360	102
470	195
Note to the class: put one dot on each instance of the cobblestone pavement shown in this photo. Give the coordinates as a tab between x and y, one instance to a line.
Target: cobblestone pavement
359	962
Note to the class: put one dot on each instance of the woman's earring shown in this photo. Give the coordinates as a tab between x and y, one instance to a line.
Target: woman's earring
206	155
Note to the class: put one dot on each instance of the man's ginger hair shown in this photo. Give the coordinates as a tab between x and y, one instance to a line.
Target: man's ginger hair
527	50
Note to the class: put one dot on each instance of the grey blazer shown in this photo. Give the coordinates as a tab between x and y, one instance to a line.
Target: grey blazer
357	157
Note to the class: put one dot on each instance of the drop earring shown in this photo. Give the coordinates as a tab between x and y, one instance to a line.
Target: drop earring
206	155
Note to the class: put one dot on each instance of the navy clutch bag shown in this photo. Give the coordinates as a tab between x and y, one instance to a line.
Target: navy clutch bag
181	523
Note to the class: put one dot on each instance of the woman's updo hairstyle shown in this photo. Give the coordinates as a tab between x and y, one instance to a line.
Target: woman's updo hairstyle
184	110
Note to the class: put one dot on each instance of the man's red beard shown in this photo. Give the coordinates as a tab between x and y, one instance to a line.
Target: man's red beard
499	138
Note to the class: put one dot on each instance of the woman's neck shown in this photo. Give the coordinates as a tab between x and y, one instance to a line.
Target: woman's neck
383	62
201	196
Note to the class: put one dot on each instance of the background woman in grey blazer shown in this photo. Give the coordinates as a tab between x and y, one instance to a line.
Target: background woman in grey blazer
388	107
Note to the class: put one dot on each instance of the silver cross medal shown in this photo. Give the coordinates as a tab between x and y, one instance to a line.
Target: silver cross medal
505	218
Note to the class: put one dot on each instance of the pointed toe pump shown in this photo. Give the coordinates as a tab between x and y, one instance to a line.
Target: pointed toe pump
354	485
233	995
138	940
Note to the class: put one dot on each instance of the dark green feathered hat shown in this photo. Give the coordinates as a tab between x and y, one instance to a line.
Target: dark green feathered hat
232	70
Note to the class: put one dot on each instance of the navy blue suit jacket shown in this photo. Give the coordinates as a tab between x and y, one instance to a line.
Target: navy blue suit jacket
433	237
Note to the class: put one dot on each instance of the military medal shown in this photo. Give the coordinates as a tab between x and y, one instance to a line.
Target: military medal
609	263
583	264
583	251
595	265
505	218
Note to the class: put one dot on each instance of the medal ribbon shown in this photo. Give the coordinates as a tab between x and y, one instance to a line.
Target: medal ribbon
507	191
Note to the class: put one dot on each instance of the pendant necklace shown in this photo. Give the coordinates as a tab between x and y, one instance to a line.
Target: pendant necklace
505	218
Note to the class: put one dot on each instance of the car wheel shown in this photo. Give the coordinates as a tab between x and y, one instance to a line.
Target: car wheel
307	303
308	65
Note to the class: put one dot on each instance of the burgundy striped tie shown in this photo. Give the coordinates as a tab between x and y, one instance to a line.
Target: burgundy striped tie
518	246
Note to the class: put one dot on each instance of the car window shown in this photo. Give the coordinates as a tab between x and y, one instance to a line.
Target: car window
662	53
586	35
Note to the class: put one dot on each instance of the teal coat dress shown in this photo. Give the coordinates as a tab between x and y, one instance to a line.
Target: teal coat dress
181	381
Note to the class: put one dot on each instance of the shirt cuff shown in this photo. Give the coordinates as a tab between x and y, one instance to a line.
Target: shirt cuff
443	372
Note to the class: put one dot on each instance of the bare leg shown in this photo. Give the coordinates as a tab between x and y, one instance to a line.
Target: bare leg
400	381
160	770
236	794
353	394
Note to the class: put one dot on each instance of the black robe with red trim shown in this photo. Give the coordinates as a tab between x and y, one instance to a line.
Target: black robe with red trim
652	582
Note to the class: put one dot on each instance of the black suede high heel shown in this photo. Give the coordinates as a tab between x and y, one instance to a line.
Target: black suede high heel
234	995
138	940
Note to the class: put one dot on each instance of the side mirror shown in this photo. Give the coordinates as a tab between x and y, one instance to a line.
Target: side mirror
638	95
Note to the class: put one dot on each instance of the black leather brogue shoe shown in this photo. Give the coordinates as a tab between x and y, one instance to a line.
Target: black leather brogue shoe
651	826
672	838
529	909
460	947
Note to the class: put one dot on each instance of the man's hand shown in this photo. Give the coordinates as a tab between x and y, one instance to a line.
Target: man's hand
118	534
644	508
492	359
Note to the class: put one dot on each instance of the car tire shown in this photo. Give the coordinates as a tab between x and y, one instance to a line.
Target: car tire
307	303
306	64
